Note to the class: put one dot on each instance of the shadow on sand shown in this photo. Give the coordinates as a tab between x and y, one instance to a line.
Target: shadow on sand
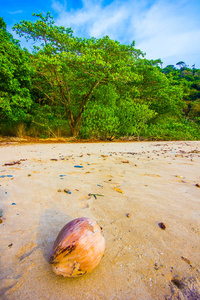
50	224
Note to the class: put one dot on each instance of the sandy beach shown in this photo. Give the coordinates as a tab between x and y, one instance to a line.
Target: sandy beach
129	188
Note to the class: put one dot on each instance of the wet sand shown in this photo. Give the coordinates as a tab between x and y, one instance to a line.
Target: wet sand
128	188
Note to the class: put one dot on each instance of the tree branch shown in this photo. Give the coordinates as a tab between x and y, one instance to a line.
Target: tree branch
65	99
43	125
85	100
44	93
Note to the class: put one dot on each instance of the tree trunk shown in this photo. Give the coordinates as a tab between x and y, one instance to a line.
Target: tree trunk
75	130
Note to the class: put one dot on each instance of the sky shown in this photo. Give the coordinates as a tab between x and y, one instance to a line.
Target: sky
164	29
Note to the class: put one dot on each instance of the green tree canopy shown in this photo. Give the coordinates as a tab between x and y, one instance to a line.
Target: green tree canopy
69	69
15	78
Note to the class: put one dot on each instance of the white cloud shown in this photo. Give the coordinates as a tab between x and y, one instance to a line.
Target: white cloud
15	12
162	28
168	31
58	7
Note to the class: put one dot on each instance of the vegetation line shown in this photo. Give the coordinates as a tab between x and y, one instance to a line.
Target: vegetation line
92	88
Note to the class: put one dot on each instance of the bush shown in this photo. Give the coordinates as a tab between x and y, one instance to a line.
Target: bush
174	129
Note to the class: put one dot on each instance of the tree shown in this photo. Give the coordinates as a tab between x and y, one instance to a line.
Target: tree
15	78
158	91
168	69
100	118
134	118
70	69
181	64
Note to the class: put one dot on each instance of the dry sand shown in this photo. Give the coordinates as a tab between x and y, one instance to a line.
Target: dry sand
159	181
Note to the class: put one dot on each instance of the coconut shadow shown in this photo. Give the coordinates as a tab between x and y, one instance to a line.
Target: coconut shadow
50	224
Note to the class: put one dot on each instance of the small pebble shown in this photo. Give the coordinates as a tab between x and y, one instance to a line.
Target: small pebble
128	215
162	225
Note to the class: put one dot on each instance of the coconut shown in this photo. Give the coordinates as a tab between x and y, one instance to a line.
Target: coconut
78	248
